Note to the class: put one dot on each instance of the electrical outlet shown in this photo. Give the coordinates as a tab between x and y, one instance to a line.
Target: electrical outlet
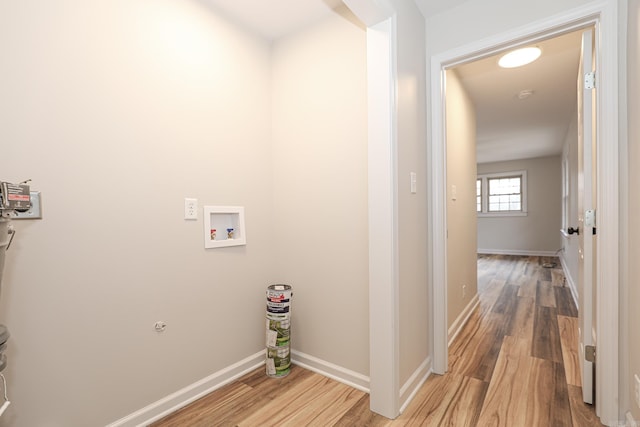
34	212
637	389
190	208
160	326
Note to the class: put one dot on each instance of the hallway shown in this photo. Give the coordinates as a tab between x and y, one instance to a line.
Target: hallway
514	364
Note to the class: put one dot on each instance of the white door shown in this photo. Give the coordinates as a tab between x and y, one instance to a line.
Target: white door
586	210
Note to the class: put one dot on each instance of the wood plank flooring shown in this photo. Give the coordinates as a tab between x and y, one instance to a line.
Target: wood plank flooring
514	364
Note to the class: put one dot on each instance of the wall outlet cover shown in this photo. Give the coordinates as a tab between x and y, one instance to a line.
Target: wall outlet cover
190	208
35	212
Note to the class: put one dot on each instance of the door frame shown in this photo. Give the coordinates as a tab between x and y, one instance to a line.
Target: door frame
384	332
603	15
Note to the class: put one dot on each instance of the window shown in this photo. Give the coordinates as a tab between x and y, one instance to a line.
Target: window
505	194
502	194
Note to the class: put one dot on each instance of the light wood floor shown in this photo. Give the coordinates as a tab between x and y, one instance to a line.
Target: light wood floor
514	364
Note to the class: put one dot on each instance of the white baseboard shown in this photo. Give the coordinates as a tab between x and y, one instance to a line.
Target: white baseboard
328	369
570	282
201	388
413	384
515	252
459	323
190	393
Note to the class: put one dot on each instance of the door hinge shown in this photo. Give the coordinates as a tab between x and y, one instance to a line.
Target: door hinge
590	80
590	220
590	353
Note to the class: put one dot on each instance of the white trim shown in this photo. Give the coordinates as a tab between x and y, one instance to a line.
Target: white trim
509	174
501	214
384	332
328	369
521	252
544	29
572	284
190	393
436	151
605	13
626	398
382	75
566	172
414	383
607	267
462	319
201	388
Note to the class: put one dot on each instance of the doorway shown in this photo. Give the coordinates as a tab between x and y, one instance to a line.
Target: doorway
607	178
506	130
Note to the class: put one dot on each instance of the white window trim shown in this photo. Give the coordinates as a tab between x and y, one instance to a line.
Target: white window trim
485	194
566	196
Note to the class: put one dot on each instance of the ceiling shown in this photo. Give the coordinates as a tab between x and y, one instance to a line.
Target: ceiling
433	7
510	128
276	18
507	127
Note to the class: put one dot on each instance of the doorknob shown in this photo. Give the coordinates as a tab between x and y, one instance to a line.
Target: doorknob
572	230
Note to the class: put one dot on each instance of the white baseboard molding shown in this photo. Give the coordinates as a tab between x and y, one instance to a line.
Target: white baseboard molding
413	384
570	282
190	393
516	252
328	369
201	388
459	323
630	421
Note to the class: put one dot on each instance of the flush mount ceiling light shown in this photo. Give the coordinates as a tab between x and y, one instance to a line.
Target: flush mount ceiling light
519	57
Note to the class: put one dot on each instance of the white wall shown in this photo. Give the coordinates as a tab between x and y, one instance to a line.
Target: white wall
412	208
539	230
118	110
176	104
320	169
462	223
